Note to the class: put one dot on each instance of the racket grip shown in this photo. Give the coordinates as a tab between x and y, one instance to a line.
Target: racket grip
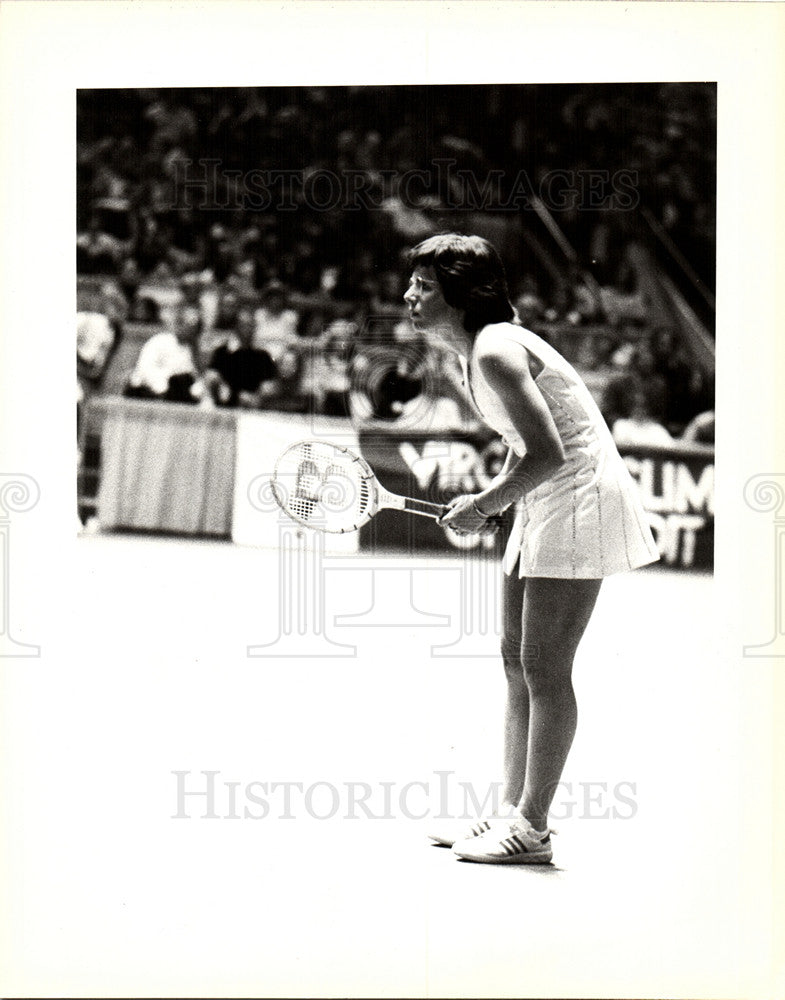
425	508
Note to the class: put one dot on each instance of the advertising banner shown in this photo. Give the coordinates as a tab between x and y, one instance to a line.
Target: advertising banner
677	490
676	485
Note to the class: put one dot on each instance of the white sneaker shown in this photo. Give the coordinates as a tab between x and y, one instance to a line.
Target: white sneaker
449	835
456	830
516	843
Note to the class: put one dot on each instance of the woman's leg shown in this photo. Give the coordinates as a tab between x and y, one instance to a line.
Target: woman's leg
555	616
516	709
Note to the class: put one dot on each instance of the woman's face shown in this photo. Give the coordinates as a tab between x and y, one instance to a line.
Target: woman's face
428	309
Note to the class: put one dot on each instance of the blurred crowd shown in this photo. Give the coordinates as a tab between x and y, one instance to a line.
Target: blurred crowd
211	347
289	297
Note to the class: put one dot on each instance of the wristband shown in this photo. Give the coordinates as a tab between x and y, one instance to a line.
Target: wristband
481	513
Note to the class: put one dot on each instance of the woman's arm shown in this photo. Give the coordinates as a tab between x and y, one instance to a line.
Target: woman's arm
506	369
507	373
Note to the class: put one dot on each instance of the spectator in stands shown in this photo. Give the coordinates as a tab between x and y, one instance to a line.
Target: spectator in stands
276	324
411	384
95	337
619	308
167	368
328	373
98	252
138	308
129	279
227	311
219	253
397	385
174	124
640	428
529	304
144	309
586	303
391	288
238	373
151	244
634	375
190	285
651	383
286	392
671	364
243	278
619	394
388	374
197	298
98	331
385	384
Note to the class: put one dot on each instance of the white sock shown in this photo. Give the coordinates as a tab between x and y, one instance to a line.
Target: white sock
540	834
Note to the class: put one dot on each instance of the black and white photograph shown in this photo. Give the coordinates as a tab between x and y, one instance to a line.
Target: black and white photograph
366	629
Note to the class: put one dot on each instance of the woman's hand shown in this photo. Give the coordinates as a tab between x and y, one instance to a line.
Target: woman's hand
464	518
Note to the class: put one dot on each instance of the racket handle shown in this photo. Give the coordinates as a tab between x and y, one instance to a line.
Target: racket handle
424	507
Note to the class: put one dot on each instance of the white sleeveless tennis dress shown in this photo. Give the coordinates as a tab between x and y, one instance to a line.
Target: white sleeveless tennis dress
587	520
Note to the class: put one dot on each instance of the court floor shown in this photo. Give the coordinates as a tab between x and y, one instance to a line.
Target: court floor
198	821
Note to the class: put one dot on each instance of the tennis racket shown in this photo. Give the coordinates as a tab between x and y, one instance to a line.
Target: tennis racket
328	487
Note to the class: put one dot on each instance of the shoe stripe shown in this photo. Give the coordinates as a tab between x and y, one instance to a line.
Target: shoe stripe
522	848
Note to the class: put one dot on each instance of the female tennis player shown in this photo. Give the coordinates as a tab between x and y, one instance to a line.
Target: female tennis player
578	519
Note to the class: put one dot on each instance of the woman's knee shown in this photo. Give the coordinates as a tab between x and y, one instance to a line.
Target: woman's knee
511	649
545	672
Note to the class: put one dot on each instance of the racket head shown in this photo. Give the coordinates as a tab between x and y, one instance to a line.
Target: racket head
325	486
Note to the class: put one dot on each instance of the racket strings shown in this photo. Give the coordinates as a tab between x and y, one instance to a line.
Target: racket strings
331	489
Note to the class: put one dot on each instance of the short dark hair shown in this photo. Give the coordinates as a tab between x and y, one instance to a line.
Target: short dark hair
471	275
